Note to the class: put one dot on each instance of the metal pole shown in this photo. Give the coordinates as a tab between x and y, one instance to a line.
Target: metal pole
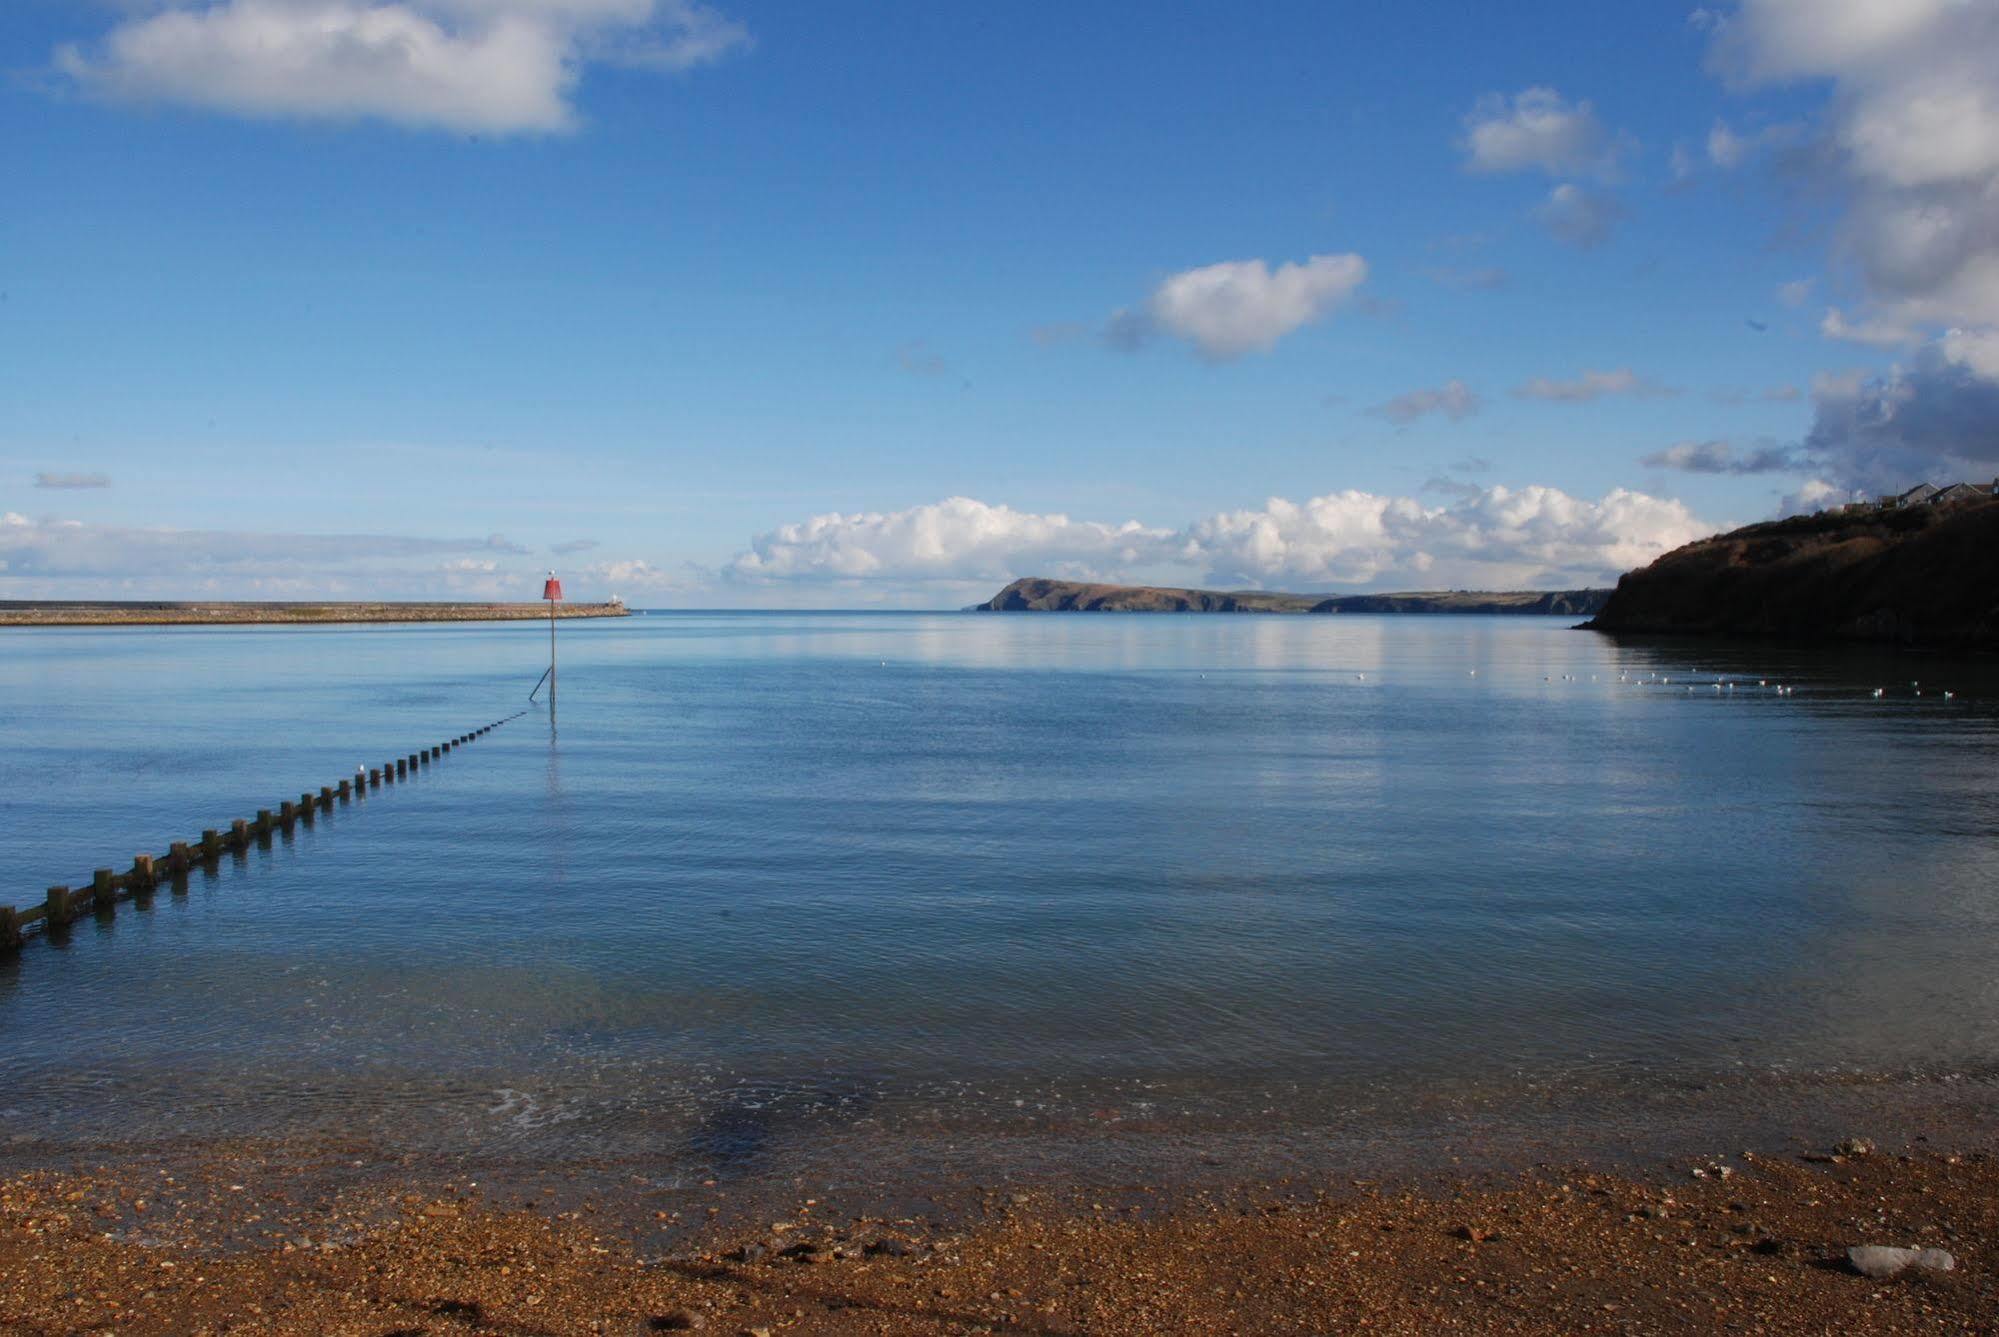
551	661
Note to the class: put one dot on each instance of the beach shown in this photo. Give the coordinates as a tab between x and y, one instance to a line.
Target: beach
1745	1242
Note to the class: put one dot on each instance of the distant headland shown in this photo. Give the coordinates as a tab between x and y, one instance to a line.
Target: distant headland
1037	595
59	613
1920	570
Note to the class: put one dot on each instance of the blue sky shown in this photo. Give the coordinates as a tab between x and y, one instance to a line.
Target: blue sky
392	297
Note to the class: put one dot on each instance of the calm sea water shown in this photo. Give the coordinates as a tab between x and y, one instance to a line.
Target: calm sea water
971	881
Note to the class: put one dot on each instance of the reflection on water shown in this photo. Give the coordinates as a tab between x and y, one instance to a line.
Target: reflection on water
986	875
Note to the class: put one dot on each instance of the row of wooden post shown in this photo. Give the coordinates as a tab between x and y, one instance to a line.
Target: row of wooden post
107	886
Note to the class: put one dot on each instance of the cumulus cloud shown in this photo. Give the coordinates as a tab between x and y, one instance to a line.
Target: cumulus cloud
1720	457
72	481
1912	127
1240	306
474	66
1876	333
1581	217
1495	538
1538	129
1454	399
1591	385
956	539
1936	418
1484	537
1816	494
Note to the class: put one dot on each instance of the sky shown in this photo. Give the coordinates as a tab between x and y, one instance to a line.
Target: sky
776	303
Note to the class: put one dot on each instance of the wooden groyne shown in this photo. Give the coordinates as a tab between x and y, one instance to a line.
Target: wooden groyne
62	906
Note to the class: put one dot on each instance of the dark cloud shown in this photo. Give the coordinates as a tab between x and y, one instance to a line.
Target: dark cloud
1934	419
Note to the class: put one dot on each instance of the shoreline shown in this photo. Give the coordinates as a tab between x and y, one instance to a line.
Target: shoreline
17	613
291	1239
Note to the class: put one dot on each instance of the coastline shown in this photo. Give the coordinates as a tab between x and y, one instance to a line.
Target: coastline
27	613
298	1240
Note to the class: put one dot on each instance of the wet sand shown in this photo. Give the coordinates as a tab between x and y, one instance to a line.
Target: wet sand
260	1240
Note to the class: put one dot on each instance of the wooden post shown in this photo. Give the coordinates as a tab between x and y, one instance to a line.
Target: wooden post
10	929
61	911
103	888
178	858
263	823
402	766
374	777
326	797
239	834
344	788
143	877
211	844
287	814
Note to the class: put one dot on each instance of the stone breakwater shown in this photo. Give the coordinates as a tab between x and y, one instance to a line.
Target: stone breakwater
18	613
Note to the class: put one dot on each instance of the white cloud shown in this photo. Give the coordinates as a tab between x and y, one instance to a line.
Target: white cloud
1241	306
1494	538
1816	494
486	66
1726	149
1538	128
1913	127
1581	217
1621	381
957	539
637	574
1795	293
1454	399
1875	333
1487	538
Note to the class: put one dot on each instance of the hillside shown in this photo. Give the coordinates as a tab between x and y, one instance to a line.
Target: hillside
1925	576
1035	595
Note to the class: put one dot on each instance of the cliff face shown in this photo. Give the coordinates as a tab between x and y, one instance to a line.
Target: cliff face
1066	596
1926	576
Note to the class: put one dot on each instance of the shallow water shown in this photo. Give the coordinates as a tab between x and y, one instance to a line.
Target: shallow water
974	879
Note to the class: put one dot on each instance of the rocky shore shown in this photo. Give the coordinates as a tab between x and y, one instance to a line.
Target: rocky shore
1742	1242
31	613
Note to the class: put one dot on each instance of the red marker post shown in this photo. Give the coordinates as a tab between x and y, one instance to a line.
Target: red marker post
551	590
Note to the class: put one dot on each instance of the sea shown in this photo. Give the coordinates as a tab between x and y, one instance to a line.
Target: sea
960	896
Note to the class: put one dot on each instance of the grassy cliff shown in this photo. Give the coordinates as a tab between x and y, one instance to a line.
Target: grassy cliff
1036	595
1926	576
